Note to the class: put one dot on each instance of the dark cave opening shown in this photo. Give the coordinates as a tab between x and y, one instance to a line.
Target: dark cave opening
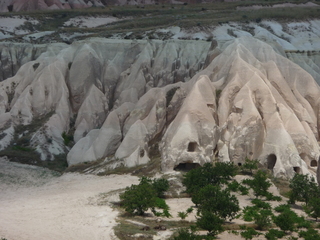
296	169
192	146
313	163
186	166
271	161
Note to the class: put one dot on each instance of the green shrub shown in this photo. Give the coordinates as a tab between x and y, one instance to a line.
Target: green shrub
281	208
160	185
210	222
182	215
248	213
274	234
261	204
313	208
186	234
249	233
310	234
67	139
249	166
286	220
259	184
261	217
303	223
271	197
234	186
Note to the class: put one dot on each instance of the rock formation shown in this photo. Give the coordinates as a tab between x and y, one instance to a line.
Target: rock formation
195	101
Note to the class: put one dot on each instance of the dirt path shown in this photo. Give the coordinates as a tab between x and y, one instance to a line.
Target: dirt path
36	204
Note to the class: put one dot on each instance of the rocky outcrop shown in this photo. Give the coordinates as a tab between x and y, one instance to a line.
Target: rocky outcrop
193	101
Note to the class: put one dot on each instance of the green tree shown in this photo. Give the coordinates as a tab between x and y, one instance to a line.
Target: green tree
259	184
303	188
218	174
286	220
215	205
210	222
217	201
160	185
139	198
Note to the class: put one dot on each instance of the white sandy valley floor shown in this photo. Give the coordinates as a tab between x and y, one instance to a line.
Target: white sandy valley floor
34	204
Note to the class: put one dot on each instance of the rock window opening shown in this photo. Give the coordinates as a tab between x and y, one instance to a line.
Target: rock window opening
271	161
192	146
210	105
239	164
186	166
141	153
10	8
296	169
313	163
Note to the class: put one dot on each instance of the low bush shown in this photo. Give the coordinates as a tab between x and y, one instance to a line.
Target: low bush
274	234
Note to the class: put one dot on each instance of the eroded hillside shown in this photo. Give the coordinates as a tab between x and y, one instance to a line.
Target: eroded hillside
192	101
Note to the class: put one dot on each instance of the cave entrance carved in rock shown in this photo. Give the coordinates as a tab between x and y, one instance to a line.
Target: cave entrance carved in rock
271	161
313	163
297	169
186	166
192	146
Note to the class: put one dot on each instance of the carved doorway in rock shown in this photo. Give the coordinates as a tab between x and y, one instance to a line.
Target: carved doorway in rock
271	161
297	169
186	166
192	146
314	163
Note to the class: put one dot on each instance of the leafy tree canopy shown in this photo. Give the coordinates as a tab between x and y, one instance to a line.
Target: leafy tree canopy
139	198
303	188
259	183
218	174
217	201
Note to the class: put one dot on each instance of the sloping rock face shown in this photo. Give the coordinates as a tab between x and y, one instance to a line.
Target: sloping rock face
13	56
193	101
90	85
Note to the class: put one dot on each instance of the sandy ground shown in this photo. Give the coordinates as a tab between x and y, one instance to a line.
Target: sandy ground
90	22
36	204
